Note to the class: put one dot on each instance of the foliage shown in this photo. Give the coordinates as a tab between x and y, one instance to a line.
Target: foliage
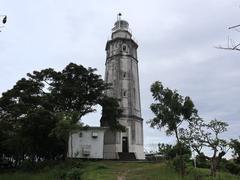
39	112
171	151
114	170
235	145
200	134
233	167
110	113
178	164
202	161
170	111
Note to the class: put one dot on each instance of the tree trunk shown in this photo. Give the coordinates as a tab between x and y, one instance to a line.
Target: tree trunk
213	166
182	168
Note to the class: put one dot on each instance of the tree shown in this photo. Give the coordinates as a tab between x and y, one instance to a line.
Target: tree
74	89
235	145
200	134
170	110
19	106
40	111
72	93
28	123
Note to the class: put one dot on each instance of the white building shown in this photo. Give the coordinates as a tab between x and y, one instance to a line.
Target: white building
122	72
87	143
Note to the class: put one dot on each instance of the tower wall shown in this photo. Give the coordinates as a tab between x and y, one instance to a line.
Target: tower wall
122	73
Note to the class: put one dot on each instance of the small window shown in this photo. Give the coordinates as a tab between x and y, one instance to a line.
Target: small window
124	74
80	134
124	48
94	134
124	93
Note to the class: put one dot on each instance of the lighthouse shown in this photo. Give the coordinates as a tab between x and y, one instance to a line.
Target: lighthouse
122	73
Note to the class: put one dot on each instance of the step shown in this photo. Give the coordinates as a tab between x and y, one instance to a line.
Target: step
127	156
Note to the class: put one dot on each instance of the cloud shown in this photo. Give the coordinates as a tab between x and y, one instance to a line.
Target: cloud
176	46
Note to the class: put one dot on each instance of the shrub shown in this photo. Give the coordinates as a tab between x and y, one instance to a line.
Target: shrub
233	167
28	165
202	162
179	164
59	174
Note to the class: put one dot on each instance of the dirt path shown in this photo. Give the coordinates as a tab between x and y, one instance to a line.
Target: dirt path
123	175
121	178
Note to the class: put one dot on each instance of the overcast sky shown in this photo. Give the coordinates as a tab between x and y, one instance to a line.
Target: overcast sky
176	46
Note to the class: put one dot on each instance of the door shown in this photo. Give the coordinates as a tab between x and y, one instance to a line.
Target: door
125	144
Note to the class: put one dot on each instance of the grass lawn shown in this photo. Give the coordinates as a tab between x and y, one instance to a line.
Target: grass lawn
114	170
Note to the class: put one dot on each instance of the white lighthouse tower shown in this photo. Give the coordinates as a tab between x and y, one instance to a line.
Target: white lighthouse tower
122	72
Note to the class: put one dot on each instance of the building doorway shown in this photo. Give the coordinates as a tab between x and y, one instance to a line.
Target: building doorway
124	144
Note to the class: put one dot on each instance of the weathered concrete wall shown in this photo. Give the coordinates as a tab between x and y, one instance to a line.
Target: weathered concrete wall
85	140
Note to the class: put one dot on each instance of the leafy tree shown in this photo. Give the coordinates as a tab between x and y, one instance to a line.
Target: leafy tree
73	92
66	124
18	106
74	89
235	145
200	134
39	112
170	110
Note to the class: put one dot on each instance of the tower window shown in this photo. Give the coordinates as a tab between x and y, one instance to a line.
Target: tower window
124	74
80	134
124	93
124	48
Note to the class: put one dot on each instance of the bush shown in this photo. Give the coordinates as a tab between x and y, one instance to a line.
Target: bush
233	167
202	162
178	152
179	164
59	174
28	165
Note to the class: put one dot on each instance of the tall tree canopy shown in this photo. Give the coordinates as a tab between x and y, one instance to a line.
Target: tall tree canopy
170	109
38	113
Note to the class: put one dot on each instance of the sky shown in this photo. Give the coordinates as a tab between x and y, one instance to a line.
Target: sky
176	39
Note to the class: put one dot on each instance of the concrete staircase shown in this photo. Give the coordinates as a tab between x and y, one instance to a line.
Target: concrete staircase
127	156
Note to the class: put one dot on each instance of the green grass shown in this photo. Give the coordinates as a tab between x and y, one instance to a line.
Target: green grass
111	170
26	176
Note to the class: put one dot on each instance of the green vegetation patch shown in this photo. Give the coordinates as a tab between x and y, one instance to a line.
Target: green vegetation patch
114	170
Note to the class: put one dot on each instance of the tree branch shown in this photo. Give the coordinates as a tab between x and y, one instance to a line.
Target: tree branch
229	48
232	27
